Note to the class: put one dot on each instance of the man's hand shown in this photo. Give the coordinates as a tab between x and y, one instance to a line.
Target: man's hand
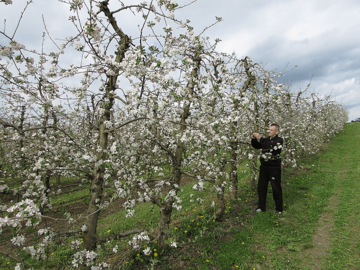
256	136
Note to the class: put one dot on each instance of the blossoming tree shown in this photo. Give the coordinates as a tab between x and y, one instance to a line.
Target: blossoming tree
130	117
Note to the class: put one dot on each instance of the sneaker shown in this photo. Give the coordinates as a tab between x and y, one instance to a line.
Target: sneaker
258	210
278	212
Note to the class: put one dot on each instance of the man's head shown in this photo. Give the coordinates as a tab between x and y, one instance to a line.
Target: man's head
274	130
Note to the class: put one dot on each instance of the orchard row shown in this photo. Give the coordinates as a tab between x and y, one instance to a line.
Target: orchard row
135	115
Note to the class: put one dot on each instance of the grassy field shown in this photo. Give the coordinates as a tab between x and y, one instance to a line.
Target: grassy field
319	229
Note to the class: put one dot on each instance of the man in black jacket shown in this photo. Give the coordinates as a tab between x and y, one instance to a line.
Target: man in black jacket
270	168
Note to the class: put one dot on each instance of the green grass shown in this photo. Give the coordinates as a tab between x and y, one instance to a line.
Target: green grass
70	196
147	217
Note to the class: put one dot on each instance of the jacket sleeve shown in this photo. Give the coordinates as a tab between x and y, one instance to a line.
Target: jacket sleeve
255	144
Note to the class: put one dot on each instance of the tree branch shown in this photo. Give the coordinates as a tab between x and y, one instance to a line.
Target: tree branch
22	14
119	98
205	177
67	233
7	124
118	236
163	148
128	122
14	258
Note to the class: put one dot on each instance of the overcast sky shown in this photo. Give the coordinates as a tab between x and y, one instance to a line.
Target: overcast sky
320	37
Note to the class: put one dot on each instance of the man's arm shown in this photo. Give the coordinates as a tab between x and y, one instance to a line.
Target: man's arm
256	136
254	141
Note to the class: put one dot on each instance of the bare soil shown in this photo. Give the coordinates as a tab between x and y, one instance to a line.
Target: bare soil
315	257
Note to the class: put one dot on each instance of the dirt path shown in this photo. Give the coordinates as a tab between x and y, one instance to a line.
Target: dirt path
316	256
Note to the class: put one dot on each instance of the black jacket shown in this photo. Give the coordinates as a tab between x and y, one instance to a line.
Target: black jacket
271	149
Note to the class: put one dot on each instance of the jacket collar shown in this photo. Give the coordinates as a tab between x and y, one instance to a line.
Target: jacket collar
273	137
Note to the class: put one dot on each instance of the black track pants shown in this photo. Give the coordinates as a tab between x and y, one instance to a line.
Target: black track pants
272	175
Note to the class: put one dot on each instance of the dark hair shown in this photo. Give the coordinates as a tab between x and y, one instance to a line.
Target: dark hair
275	125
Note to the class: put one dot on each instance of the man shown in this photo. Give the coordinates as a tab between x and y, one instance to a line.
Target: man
270	168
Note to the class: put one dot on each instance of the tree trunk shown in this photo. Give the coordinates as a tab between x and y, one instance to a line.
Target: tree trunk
21	142
165	219
219	212
254	175
47	187
251	84
220	206
96	189
93	212
58	179
233	175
